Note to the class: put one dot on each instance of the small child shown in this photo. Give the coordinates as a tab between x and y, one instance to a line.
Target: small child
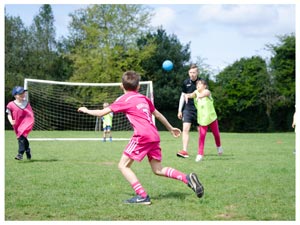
145	140
206	117
21	117
107	124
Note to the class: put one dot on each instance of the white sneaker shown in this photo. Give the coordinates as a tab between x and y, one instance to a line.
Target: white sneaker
220	150
199	158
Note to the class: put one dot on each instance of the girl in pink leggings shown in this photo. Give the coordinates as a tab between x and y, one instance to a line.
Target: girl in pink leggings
206	117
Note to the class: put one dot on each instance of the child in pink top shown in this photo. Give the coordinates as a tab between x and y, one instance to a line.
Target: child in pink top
21	117
145	140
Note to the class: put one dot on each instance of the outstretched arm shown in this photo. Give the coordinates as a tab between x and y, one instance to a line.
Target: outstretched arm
204	93
187	96
174	131
96	112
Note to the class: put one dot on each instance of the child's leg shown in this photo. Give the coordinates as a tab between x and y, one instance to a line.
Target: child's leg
104	134
215	130
167	171
26	143
27	149
202	130
191	179
22	143
124	166
109	135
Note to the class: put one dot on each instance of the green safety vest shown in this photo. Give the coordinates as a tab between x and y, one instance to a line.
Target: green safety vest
206	113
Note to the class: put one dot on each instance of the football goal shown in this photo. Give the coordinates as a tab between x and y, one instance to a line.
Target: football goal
55	104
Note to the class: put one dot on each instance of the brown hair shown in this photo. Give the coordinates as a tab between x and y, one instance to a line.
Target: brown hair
204	82
130	80
193	66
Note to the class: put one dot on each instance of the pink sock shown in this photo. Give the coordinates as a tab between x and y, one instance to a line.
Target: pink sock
175	174
139	190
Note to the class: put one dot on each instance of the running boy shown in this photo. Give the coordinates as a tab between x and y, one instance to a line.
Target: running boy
21	117
145	140
206	117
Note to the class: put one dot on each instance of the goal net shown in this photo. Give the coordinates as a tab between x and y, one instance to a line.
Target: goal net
55	104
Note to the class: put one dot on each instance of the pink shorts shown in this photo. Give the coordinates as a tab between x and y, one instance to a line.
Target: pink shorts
138	151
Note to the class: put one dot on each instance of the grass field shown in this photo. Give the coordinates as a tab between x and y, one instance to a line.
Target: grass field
79	180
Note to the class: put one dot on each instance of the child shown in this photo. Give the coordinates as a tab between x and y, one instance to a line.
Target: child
21	117
145	140
206	116
107	124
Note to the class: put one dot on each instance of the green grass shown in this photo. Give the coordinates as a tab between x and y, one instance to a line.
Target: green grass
79	180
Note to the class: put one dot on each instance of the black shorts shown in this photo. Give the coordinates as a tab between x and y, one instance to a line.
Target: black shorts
189	116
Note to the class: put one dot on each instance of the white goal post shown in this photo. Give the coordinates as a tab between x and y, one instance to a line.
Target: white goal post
55	104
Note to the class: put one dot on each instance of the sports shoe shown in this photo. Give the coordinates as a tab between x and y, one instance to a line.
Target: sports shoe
199	158
194	183
182	154
19	157
139	200
220	150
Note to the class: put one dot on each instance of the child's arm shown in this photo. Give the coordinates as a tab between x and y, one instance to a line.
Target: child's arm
187	96
204	93
175	131
9	117
96	112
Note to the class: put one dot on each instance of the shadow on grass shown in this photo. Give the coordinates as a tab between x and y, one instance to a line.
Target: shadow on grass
40	160
174	195
218	157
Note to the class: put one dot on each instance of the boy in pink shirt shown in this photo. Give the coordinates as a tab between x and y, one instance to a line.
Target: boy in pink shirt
21	117
145	140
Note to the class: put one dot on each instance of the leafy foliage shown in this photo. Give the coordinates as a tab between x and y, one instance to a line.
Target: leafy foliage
167	84
104	38
283	67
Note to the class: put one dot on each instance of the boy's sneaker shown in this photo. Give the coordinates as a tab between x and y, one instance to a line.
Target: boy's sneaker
19	157
199	158
182	154
194	183
139	200
220	150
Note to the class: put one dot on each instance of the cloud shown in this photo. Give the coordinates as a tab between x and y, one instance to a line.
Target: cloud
164	16
249	20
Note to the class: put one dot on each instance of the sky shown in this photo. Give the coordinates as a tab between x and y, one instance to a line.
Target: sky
219	34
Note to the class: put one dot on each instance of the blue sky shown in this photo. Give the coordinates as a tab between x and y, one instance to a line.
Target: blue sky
219	33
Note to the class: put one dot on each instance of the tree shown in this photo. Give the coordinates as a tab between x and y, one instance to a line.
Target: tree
283	75
16	50
42	45
103	41
167	84
283	69
237	92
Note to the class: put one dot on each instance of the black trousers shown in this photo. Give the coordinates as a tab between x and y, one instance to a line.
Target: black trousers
23	145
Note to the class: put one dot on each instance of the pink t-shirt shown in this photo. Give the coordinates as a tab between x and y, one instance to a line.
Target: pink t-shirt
24	118
138	109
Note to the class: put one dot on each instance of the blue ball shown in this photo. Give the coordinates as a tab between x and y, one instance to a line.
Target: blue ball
167	65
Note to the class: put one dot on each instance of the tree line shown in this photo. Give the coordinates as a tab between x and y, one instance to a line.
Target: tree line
250	95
